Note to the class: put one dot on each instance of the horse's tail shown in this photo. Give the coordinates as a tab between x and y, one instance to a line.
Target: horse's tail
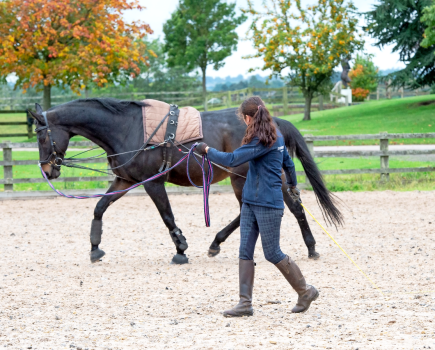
296	145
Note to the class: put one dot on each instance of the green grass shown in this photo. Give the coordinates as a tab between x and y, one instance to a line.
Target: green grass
394	116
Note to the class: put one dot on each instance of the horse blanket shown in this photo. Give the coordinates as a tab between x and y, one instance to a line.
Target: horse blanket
189	122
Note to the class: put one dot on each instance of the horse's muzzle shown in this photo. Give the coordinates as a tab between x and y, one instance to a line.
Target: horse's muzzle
52	173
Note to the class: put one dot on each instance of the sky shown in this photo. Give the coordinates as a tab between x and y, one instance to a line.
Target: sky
157	12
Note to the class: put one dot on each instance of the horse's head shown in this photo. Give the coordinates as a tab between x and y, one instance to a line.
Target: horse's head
52	141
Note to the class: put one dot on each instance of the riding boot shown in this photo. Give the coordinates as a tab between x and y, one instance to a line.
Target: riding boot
293	275
246	284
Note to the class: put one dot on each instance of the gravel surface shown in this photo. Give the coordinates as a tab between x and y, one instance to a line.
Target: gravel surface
52	297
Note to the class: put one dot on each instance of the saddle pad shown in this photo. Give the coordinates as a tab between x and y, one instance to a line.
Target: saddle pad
189	122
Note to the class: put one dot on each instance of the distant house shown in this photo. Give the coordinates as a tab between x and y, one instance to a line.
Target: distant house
214	101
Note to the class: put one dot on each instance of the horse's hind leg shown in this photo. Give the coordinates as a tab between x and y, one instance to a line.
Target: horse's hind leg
97	224
299	213
237	183
157	192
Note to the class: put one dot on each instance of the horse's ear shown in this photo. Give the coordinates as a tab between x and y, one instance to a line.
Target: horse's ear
38	108
36	116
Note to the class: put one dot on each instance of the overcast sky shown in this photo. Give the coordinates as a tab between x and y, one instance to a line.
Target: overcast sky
157	12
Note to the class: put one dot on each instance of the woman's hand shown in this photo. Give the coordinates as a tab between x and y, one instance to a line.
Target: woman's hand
201	148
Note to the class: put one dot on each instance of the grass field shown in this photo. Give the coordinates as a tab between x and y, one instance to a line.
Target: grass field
408	115
415	114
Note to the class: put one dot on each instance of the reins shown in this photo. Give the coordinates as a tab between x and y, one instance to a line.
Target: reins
207	176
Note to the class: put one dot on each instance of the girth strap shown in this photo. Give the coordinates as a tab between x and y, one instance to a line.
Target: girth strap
171	131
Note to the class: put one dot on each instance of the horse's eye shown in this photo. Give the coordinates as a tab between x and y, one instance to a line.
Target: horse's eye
42	136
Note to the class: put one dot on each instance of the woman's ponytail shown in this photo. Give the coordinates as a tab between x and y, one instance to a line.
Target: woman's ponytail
262	125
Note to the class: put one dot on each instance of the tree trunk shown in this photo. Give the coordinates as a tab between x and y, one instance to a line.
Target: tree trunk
46	100
307	111
204	88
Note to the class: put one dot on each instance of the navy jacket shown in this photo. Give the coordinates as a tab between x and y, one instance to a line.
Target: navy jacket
263	183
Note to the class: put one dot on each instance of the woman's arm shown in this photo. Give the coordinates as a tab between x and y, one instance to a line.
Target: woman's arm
289	169
241	155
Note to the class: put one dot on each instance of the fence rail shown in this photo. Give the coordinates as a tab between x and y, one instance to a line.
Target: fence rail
384	153
28	123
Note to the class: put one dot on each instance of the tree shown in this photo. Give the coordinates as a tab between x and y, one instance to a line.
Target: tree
428	42
364	77
201	33
399	23
69	43
156	76
309	42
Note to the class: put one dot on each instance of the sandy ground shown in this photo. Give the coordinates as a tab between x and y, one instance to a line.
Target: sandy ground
52	297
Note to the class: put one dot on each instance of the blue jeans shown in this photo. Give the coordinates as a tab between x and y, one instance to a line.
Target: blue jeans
255	219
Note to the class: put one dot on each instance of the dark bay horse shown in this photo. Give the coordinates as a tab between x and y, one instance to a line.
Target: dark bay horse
117	127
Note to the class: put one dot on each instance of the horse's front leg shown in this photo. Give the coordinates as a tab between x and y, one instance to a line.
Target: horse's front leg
97	224
157	192
237	183
299	213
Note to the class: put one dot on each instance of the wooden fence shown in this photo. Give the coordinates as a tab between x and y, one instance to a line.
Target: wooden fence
28	123
383	153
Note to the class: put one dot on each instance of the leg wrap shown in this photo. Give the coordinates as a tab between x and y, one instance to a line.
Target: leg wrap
96	231
178	239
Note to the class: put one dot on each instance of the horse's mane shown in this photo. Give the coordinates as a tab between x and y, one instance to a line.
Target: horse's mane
114	105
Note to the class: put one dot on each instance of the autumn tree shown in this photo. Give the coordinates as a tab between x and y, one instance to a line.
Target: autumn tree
307	42
364	77
69	43
201	33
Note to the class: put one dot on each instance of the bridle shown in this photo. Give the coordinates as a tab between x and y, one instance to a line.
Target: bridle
53	158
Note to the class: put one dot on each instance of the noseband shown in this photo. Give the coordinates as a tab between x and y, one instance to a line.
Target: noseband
53	159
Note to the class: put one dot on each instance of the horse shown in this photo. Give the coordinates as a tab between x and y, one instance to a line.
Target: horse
117	127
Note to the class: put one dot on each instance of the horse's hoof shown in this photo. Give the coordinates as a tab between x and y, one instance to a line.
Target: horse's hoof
96	255
314	256
213	252
179	259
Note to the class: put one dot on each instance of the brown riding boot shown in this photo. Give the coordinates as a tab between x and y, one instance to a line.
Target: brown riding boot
293	275
246	284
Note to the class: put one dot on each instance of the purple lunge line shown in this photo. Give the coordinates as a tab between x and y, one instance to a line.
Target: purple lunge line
206	176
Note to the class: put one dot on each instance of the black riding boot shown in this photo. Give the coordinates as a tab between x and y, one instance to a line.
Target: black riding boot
246	284
293	275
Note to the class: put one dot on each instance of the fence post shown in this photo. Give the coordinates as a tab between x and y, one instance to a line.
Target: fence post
7	169
310	144
320	103
284	101
229	99
29	126
377	94
108	170
385	176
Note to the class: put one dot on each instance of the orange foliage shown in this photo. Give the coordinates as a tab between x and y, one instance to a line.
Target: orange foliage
69	42
360	94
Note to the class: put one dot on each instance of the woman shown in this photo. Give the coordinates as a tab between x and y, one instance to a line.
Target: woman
263	205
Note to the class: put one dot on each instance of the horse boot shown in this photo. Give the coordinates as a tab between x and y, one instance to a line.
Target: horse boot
246	284
293	275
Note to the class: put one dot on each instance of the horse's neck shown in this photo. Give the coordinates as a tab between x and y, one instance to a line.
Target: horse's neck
111	132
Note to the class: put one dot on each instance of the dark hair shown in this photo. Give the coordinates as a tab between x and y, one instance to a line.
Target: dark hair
262	125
